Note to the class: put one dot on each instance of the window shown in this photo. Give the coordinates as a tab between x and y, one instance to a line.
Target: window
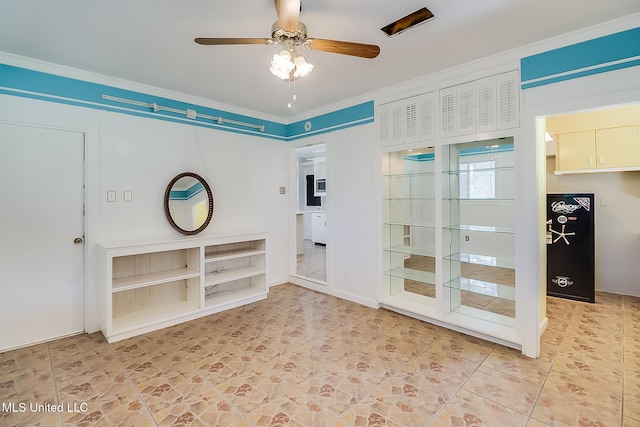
478	180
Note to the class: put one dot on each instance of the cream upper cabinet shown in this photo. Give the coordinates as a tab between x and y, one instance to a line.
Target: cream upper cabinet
618	147
576	150
601	149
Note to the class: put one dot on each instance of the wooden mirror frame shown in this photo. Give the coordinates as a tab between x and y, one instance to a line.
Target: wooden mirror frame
167	212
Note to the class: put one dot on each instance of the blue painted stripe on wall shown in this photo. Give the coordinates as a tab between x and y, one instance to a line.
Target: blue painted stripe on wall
32	84
599	55
582	73
357	114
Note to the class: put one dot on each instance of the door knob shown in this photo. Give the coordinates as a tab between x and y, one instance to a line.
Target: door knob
78	240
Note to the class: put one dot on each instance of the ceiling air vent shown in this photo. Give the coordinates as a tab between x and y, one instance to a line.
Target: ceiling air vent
401	25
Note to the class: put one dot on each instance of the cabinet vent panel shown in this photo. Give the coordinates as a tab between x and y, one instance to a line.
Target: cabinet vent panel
384	128
427	119
397	123
508	104
448	113
465	98
486	109
411	120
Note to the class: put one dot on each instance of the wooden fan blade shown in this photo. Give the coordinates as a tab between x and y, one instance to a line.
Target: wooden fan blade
361	50
288	12
223	41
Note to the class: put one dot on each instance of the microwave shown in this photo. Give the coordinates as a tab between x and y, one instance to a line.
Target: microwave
321	187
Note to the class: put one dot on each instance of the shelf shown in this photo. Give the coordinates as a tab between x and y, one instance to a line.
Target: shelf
408	175
409	223
483	288
479	259
151	279
411	250
409	198
493	199
222	298
463	171
411	274
480	228
216	278
232	254
142	318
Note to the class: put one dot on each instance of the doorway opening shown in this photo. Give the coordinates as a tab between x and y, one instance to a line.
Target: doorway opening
595	151
311	215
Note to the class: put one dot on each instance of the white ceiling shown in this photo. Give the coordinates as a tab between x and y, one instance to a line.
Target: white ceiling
151	42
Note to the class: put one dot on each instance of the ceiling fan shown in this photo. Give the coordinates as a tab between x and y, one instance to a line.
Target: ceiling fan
290	32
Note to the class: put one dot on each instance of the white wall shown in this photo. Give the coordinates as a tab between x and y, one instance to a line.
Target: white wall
617	199
143	155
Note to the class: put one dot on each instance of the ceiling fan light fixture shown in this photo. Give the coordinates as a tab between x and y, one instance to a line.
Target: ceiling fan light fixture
281	65
302	67
288	65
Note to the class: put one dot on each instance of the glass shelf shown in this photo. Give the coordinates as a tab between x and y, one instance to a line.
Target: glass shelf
411	274
479	259
463	171
483	288
493	199
411	250
480	228
408	198
409	223
408	175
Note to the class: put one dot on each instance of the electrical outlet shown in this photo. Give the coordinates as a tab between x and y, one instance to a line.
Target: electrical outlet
283	190
128	196
466	238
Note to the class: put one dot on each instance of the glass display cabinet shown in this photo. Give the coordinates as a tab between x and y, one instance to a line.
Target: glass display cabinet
409	224
478	214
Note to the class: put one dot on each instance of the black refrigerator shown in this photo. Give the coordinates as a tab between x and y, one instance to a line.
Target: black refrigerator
571	246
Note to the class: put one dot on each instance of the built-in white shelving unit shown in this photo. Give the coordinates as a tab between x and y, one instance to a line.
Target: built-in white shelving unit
449	208
151	285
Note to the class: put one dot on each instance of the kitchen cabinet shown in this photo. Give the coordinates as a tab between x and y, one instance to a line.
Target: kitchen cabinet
598	150
576	150
319	227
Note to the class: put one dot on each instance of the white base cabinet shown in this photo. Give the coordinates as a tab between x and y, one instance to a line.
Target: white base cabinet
152	285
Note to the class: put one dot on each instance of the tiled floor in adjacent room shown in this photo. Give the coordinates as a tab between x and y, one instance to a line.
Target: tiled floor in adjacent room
301	358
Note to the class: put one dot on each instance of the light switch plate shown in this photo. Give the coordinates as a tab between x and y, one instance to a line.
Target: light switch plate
111	196
128	196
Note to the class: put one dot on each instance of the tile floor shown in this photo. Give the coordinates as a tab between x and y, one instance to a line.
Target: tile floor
301	358
312	263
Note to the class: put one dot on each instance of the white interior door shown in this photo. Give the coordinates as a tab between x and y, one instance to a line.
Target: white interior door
41	267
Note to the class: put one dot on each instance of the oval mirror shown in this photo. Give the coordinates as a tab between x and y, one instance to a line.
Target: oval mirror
188	203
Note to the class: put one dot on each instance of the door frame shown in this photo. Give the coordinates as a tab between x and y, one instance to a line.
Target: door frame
24	113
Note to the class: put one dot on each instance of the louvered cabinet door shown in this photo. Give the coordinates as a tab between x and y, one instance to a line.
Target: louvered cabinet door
427	116
466	98
508	100
487	104
448	111
411	120
383	120
398	117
